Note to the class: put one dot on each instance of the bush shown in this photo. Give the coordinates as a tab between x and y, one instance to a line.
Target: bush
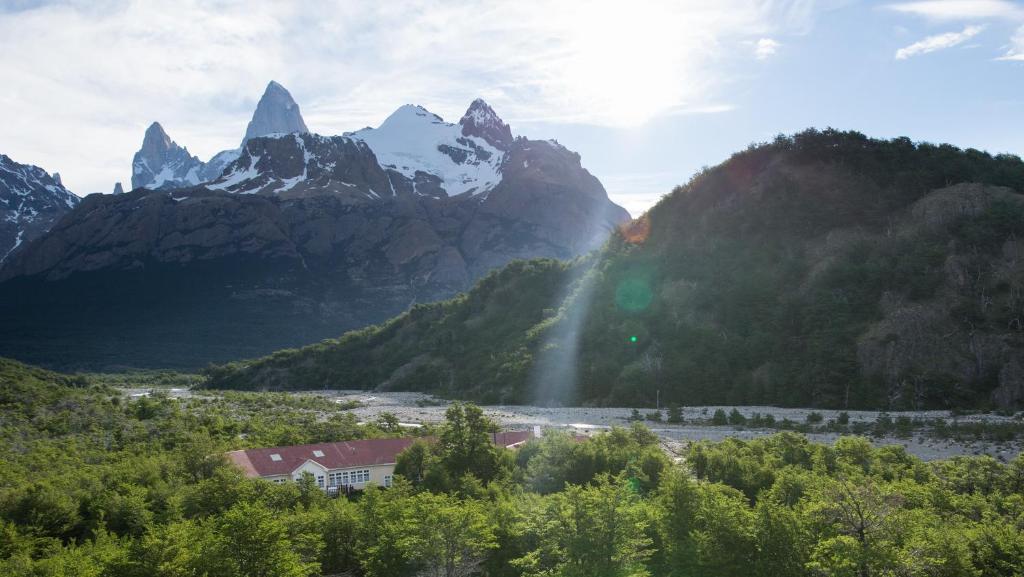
736	417
813	418
675	414
719	418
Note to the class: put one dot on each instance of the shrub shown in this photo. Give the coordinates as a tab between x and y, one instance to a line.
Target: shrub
719	418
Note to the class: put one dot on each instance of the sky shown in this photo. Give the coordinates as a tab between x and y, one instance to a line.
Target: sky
648	92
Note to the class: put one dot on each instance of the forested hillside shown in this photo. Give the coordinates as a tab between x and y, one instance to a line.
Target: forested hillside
823	269
95	484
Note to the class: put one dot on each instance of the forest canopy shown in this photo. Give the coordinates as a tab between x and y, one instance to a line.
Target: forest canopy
94	483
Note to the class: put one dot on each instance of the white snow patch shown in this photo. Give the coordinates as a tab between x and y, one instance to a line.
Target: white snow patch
409	140
237	177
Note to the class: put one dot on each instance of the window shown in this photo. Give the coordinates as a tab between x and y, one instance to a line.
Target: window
387	480
320	481
275	457
344	478
318	453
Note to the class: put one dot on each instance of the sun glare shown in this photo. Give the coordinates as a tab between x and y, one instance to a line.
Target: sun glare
625	64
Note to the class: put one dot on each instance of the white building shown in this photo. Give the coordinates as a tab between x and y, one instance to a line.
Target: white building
342	466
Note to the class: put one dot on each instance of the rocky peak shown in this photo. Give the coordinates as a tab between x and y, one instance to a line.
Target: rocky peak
276	113
481	121
31	200
161	162
118	189
56	178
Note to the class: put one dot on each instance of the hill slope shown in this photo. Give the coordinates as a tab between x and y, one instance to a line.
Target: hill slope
823	269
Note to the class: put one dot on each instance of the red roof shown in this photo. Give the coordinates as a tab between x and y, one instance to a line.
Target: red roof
341	455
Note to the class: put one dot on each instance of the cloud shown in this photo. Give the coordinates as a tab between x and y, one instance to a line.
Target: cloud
1016	50
938	42
946	10
765	47
83	78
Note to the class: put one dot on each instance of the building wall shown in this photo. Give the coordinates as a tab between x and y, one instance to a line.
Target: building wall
379	474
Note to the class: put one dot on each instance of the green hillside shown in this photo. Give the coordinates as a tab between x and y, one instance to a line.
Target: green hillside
823	269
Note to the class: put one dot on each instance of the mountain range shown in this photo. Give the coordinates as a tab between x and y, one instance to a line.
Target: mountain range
291	238
31	200
826	269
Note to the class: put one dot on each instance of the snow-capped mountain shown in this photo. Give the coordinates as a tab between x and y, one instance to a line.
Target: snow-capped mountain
295	237
31	201
162	164
414	141
305	163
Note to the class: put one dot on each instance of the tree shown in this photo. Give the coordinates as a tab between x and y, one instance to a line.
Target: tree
447	537
719	418
465	444
595	531
415	461
675	414
861	514
250	541
380	534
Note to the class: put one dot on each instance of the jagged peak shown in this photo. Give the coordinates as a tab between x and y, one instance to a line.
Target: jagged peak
276	113
480	110
156	136
481	120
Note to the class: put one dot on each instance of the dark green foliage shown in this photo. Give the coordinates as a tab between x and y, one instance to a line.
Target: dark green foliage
762	281
127	491
719	418
675	414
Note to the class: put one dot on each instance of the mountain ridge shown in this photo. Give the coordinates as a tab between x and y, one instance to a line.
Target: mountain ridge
823	269
299	237
31	201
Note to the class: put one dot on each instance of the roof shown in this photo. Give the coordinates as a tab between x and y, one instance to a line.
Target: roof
342	455
509	439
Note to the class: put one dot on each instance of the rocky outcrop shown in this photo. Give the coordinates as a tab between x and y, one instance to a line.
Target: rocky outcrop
31	201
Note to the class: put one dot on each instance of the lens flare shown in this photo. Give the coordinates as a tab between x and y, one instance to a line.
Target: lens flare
633	294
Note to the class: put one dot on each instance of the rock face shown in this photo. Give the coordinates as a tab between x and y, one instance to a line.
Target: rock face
161	163
276	113
299	237
481	121
31	201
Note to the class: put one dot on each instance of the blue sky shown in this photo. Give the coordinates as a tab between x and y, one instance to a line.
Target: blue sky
647	92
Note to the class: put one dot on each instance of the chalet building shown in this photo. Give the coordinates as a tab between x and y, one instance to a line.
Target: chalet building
343	466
